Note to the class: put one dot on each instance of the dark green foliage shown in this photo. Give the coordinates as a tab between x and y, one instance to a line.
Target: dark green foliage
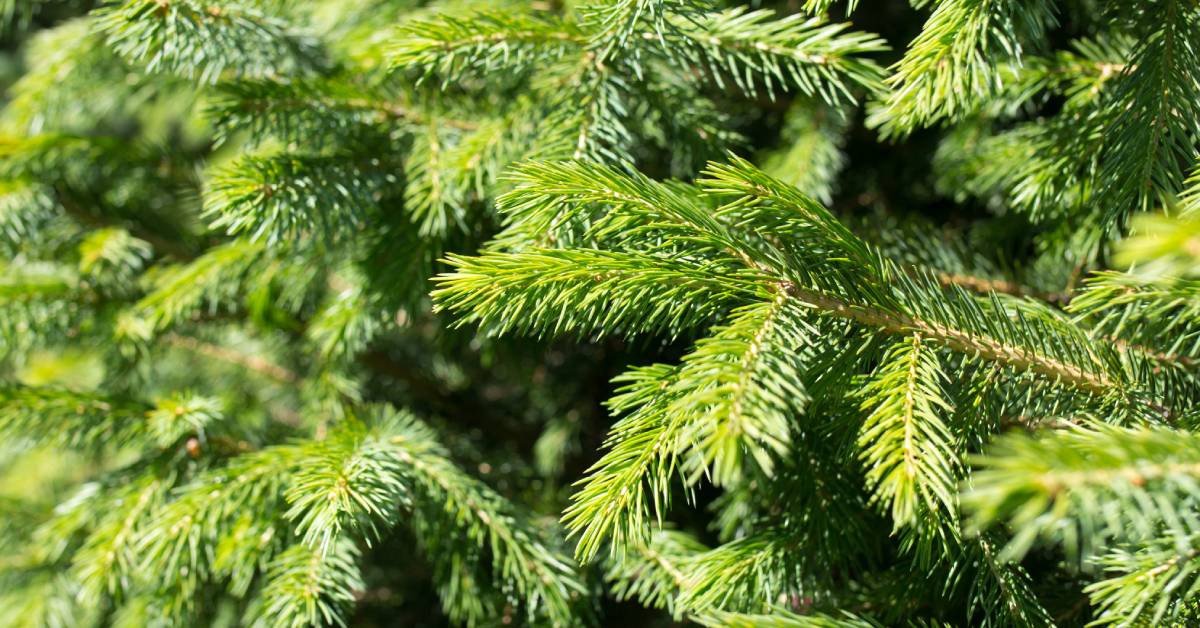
599	312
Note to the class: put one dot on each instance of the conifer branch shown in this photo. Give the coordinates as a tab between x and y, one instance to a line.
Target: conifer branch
201	40
449	46
254	363
70	419
951	67
613	22
985	285
548	581
741	393
569	283
348	482
316	108
958	340
550	190
306	587
245	496
107	560
1073	486
813	158
907	448
747	574
820	59
279	197
1148	148
1150	584
630	484
653	573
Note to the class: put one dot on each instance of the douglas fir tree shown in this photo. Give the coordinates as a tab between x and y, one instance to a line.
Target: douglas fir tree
590	312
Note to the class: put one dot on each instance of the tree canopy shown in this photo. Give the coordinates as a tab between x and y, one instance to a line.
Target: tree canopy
795	313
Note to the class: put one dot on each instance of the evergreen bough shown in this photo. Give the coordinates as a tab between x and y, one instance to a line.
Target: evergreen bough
386	312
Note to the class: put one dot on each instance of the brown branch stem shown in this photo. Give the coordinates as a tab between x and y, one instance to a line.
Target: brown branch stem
984	285
958	340
254	363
